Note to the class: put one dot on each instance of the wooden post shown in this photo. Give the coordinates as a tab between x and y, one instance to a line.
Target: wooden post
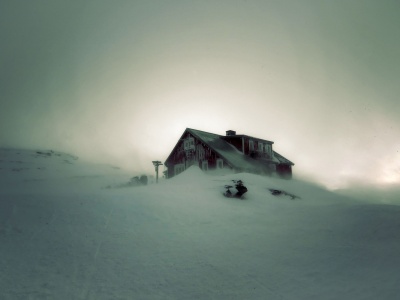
156	164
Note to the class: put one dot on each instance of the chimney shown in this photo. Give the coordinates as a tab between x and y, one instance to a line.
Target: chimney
230	133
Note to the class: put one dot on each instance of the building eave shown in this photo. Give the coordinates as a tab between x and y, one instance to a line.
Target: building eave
246	136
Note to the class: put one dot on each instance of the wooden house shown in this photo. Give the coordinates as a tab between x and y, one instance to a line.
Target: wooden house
241	153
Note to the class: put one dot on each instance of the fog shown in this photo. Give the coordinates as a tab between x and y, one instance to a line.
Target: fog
118	82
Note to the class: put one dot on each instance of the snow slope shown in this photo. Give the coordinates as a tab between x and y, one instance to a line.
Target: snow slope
64	236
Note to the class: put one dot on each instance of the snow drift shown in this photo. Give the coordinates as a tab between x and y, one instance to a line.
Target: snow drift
64	236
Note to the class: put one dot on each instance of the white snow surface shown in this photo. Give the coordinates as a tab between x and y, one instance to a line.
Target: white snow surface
64	235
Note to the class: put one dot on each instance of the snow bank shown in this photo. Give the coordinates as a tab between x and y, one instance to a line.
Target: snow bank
38	170
191	175
181	239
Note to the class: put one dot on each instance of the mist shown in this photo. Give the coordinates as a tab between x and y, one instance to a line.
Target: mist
118	82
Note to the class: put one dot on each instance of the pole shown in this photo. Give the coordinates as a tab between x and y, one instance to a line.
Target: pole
156	164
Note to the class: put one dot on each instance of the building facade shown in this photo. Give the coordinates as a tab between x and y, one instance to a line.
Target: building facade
240	153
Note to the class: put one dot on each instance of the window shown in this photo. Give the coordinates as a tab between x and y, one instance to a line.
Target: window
268	149
204	165
188	143
260	147
251	145
200	152
220	163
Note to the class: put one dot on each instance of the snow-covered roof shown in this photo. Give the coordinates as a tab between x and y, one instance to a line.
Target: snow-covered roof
281	159
247	136
233	156
228	152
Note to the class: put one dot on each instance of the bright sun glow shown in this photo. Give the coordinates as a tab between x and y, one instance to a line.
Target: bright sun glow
391	171
391	177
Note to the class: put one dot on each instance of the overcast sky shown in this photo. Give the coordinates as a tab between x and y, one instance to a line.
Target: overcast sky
119	81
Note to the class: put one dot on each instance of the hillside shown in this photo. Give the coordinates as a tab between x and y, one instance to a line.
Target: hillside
49	170
63	235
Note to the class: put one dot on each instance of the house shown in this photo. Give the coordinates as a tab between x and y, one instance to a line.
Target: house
238	152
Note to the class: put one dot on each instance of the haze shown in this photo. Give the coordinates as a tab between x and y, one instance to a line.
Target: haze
119	81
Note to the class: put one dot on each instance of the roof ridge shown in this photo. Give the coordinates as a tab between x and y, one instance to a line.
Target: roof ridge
220	135
203	131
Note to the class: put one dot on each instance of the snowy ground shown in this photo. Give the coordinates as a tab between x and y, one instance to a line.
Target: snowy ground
63	235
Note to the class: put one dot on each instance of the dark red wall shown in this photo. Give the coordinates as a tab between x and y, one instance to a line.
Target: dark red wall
285	171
